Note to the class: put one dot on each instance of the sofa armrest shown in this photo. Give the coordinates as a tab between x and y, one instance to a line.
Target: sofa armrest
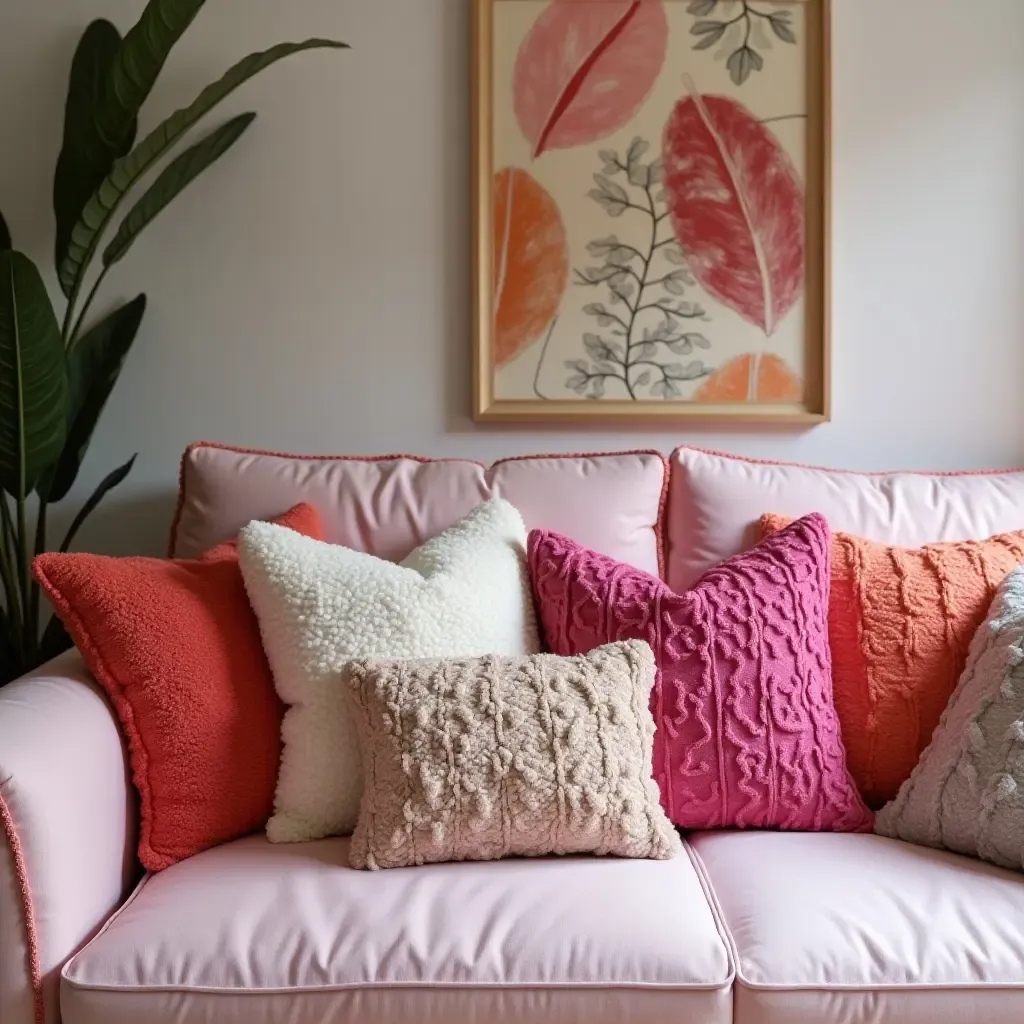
67	841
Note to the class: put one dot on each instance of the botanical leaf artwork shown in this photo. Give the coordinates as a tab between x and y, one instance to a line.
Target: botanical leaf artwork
586	68
737	207
647	327
650	220
744	28
531	262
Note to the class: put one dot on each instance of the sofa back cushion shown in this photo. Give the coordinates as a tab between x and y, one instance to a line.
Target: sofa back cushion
389	505
715	503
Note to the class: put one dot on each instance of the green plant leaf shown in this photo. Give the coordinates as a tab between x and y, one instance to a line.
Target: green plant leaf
11	663
85	160
136	65
173	180
5	235
107	484
55	640
127	171
93	364
33	377
110	80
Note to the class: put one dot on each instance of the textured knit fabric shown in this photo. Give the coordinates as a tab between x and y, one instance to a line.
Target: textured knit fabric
463	593
900	624
967	791
483	758
747	734
177	649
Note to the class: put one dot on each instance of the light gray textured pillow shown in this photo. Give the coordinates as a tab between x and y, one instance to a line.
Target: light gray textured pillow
482	758
967	791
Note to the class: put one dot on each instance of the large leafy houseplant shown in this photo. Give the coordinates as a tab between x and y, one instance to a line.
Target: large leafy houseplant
57	373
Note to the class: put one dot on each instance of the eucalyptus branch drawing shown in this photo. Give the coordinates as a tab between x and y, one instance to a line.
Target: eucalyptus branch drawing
749	17
646	319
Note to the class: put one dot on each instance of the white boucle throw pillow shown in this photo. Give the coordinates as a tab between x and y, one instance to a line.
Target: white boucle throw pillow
464	593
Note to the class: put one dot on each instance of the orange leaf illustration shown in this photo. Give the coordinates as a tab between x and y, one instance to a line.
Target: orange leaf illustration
531	262
753	377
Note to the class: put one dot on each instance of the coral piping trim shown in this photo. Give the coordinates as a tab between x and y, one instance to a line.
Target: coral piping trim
658	525
845	472
35	970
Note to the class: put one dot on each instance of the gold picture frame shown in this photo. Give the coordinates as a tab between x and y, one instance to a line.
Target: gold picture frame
735	201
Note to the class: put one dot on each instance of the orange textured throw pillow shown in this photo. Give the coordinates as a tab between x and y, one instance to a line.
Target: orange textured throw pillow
177	648
900	624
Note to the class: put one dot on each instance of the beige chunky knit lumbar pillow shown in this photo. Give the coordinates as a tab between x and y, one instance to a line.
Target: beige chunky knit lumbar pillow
482	758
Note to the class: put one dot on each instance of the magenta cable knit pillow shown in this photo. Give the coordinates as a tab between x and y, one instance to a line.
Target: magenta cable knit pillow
747	734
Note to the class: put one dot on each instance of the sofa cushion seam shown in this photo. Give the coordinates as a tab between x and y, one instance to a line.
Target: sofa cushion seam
370	986
718	915
69	965
887	986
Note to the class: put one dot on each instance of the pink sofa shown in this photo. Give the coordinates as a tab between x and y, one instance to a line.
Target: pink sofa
753	927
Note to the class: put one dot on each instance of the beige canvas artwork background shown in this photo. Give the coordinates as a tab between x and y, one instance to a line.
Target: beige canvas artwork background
654	203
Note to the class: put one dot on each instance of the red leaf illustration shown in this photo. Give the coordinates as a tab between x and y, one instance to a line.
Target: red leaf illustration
586	68
737	206
531	262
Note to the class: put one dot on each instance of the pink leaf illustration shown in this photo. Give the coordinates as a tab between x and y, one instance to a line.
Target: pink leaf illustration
737	206
585	69
531	262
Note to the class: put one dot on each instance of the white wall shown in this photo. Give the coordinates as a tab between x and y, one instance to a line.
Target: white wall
312	292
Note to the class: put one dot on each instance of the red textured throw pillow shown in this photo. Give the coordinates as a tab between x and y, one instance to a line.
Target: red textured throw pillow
177	648
747	733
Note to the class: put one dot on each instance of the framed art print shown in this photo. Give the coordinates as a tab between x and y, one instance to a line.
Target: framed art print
651	210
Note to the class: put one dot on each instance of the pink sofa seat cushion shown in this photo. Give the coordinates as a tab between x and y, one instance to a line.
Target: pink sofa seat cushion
857	928
391	504
251	918
717	500
747	733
